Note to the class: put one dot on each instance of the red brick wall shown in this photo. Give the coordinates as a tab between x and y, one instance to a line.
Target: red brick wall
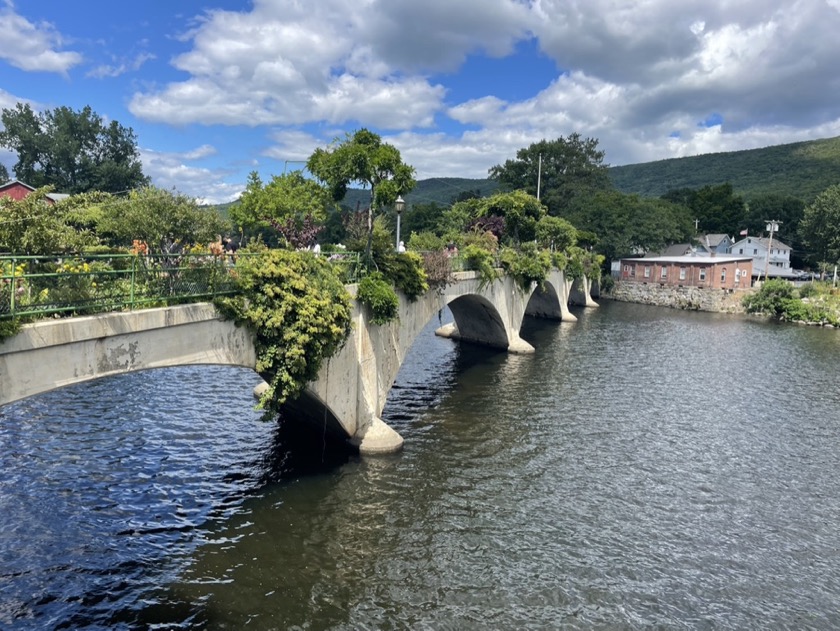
644	272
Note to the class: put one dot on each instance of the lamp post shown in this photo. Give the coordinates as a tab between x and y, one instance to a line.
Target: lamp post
399	206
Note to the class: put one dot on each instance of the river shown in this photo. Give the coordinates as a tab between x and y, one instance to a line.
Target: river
646	468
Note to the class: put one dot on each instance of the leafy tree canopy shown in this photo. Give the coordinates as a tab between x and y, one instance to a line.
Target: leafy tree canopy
33	226
628	224
4	174
73	151
787	210
820	227
717	209
166	220
520	211
362	158
566	169
288	200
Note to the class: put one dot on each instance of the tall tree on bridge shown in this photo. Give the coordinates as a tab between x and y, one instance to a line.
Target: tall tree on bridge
74	151
363	159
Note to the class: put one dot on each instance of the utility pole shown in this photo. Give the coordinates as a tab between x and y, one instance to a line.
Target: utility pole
772	226
539	176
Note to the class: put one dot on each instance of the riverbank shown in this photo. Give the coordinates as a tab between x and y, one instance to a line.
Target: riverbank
684	298
814	304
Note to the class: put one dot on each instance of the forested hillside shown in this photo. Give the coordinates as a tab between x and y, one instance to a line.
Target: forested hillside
801	170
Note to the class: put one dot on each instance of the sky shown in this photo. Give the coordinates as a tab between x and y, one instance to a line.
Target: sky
215	89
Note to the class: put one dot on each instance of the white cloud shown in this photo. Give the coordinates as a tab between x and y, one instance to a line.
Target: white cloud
32	47
336	61
120	67
170	170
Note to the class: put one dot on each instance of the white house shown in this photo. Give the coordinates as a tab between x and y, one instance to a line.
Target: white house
756	247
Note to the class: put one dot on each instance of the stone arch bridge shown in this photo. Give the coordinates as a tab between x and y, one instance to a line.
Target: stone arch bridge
350	391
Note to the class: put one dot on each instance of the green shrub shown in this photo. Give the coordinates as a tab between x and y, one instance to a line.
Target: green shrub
770	299
407	273
807	290
527	265
481	260
378	295
425	242
9	328
300	313
794	310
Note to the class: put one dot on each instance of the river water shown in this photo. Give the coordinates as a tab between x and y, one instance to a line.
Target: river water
645	469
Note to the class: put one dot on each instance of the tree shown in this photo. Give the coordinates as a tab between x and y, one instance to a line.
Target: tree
787	210
566	168
4	174
36	226
717	209
362	158
629	224
73	151
556	233
289	203
167	221
422	217
820	227
520	211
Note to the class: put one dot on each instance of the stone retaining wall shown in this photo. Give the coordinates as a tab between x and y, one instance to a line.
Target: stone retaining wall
692	298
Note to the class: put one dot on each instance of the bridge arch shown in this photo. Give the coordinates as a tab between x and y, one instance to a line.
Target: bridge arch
356	382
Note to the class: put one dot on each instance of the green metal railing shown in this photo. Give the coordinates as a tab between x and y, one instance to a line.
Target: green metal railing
37	286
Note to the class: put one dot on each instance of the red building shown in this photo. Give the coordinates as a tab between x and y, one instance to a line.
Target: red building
717	272
18	190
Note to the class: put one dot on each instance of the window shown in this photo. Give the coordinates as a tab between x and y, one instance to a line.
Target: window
741	251
702	273
647	271
664	272
723	276
755	250
682	273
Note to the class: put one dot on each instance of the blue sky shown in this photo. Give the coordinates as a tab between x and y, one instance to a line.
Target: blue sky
217	88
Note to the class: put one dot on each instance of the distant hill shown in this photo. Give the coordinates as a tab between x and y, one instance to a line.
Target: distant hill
801	169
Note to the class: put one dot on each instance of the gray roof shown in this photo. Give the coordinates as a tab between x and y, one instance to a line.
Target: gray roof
764	241
714	240
708	260
675	249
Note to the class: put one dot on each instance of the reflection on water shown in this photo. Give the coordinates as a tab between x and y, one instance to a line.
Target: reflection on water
645	468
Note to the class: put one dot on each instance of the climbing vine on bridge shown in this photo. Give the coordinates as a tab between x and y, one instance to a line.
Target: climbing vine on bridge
527	265
300	313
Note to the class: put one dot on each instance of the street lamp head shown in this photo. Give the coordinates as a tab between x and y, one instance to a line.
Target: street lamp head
399	204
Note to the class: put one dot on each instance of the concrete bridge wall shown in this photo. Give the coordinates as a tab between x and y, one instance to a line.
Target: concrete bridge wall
53	353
